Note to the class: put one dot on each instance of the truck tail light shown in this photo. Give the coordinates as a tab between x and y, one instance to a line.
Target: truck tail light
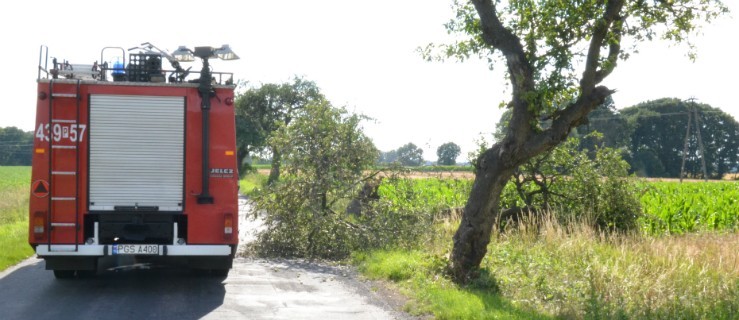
228	224
39	224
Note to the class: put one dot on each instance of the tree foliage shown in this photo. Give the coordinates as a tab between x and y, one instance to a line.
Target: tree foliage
557	55
410	155
658	136
261	111
608	121
326	155
448	153
604	119
576	184
16	147
388	156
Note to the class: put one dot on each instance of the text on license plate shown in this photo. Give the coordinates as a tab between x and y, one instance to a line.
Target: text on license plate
135	249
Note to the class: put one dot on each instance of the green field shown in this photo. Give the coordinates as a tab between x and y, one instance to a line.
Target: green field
668	207
672	207
14	192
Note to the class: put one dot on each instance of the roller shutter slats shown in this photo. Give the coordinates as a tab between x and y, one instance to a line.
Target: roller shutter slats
136	151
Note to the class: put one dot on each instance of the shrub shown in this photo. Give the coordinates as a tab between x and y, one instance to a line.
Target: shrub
579	185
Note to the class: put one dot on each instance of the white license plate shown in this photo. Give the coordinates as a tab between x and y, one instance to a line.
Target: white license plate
138	249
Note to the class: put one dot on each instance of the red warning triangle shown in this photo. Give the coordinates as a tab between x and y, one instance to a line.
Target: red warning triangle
40	188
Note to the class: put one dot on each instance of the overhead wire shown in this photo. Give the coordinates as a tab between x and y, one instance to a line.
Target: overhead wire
620	116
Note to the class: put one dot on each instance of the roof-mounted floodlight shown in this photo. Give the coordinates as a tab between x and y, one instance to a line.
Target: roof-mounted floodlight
204	52
225	53
206	90
183	54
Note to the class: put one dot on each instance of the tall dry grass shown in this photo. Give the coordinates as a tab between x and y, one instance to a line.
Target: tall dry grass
573	271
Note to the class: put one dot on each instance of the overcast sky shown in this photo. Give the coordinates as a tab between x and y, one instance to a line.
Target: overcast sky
362	54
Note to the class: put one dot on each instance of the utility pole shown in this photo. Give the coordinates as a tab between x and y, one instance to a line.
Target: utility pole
693	113
685	147
700	140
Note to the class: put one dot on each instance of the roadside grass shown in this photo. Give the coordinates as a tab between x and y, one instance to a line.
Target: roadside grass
252	182
14	194
420	276
14	243
543	270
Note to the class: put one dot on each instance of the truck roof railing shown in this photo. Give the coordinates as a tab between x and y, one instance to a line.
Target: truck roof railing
144	66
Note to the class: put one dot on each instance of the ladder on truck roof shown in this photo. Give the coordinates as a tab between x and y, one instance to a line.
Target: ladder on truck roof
59	214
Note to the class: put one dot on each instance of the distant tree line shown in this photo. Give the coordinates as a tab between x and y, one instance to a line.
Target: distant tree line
411	155
407	155
651	136
16	147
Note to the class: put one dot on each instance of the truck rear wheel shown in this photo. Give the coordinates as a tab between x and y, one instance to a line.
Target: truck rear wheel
220	272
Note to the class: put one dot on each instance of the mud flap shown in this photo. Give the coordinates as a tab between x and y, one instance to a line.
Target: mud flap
71	263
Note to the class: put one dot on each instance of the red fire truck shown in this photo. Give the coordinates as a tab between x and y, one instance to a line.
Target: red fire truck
133	160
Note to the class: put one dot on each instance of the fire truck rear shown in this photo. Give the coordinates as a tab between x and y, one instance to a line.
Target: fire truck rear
134	160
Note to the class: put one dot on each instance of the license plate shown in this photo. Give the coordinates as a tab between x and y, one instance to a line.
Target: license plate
138	249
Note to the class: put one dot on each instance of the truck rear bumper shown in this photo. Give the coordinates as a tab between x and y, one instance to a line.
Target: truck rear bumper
94	249
184	250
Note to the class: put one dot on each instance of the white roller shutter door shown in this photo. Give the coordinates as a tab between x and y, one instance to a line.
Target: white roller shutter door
136	151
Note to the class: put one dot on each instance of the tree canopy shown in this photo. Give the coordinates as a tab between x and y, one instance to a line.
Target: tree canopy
448	153
608	121
410	155
260	111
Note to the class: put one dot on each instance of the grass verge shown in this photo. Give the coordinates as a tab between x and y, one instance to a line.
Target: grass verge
571	273
421	277
252	182
14	243
14	194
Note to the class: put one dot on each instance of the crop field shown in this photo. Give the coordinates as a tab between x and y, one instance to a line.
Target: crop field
671	207
14	192
668	207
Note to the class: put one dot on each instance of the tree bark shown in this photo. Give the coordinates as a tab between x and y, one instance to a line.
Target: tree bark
480	212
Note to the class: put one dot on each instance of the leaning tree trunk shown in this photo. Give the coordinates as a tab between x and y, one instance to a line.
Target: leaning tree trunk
274	173
480	213
522	141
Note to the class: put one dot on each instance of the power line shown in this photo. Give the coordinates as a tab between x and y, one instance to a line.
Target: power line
25	145
16	141
652	115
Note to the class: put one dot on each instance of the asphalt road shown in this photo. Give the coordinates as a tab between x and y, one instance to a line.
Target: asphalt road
254	289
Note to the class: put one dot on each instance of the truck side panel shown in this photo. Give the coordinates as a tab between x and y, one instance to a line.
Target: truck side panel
206	222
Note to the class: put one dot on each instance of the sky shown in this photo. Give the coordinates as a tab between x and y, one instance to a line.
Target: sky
362	54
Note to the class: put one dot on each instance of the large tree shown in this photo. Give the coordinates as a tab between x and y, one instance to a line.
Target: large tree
260	111
557	54
448	153
410	155
388	156
657	143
